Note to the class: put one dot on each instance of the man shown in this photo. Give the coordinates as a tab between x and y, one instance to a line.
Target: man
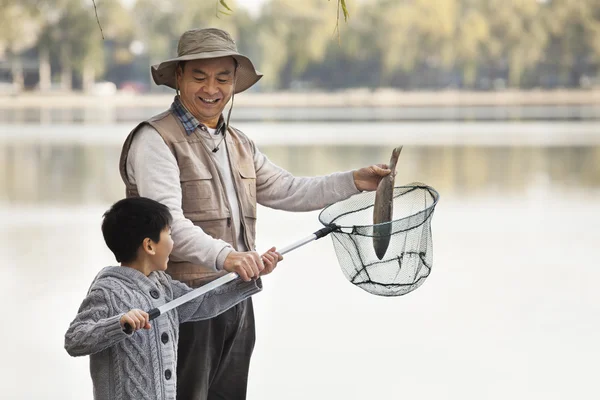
211	176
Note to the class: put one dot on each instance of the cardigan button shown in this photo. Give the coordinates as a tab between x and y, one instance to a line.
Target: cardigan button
154	293
168	374
164	337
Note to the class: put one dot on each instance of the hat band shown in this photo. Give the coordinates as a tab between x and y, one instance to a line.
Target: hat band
206	49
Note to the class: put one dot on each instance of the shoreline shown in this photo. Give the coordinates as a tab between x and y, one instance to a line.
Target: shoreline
347	98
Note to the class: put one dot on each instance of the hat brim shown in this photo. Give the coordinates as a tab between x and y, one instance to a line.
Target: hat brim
246	74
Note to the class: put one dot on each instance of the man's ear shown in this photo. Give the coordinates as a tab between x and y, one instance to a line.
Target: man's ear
178	71
148	246
178	75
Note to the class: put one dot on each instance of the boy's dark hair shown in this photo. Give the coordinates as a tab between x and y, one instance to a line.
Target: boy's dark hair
129	221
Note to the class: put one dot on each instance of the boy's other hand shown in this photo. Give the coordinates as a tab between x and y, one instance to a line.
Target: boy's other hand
247	265
136	319
270	259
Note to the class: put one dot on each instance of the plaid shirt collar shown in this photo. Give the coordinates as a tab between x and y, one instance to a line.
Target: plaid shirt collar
189	122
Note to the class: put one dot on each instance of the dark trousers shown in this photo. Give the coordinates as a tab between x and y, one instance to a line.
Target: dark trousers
214	355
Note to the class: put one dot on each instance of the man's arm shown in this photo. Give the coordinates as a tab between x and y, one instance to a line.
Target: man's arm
277	188
153	168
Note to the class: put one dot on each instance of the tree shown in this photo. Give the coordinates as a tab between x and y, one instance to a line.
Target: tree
518	35
291	36
18	31
471	35
574	30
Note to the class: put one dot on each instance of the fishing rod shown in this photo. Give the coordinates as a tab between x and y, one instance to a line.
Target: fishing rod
391	257
156	312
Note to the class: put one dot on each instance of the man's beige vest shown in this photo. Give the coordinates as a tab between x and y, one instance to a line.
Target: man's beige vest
204	200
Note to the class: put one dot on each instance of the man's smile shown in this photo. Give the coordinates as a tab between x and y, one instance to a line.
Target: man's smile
208	101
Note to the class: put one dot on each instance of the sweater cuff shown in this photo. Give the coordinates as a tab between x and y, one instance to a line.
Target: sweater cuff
225	251
246	289
347	184
114	330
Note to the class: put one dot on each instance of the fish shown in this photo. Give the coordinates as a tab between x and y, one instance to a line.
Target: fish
383	209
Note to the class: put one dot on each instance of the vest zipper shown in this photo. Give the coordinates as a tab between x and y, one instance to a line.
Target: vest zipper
233	231
209	158
237	195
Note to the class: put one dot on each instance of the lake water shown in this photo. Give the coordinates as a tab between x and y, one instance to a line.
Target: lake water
511	309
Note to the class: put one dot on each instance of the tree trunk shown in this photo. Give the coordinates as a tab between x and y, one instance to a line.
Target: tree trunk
17	73
469	74
45	72
515	69
66	77
88	78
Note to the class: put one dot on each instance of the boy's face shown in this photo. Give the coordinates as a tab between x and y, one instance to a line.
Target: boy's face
163	249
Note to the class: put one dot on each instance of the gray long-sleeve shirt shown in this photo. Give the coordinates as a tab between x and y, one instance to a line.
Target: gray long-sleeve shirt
153	168
141	365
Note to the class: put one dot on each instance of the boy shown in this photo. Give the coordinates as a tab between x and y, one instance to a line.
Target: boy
140	365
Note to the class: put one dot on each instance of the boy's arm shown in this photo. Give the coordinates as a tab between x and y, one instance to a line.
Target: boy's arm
93	330
216	301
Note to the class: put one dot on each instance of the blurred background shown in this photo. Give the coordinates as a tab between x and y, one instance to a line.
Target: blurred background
495	101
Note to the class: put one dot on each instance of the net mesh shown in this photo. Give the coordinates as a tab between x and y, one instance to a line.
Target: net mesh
409	256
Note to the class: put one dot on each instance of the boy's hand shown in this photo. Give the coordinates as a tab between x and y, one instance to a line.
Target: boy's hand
136	319
270	259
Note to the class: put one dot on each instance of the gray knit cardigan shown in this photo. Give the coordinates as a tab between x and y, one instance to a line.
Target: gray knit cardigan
141	365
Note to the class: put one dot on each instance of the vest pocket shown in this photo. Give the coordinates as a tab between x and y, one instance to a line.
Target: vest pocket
248	181
197	192
248	176
218	229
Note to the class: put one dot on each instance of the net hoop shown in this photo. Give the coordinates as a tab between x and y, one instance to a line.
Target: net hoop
407	256
361	229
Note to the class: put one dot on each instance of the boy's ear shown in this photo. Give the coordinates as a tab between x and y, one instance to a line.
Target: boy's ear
148	246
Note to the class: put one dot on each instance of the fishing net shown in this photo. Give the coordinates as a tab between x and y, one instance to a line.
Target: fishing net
408	258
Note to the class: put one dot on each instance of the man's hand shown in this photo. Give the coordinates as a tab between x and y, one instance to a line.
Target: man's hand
367	178
270	259
247	265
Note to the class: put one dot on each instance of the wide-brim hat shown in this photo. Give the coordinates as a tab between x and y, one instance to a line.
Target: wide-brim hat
201	44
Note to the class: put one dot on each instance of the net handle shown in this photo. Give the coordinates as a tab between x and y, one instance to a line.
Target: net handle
155	312
316	235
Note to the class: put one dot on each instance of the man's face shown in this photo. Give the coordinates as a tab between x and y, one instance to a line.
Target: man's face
206	86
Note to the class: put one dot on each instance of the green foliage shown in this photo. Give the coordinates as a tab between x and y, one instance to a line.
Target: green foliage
225	6
401	43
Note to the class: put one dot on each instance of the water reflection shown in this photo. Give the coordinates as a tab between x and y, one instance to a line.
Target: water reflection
80	174
512	287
